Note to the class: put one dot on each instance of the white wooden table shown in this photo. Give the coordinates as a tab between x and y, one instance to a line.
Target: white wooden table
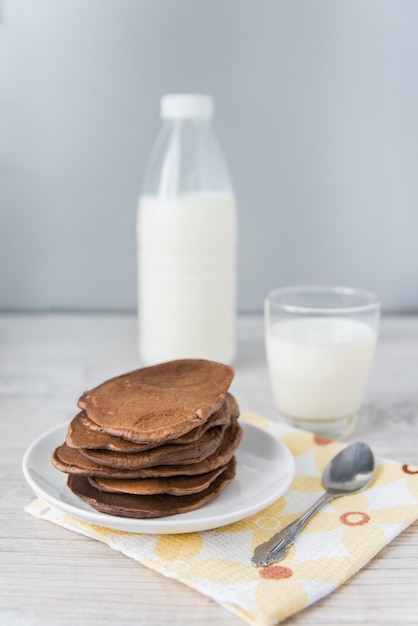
51	576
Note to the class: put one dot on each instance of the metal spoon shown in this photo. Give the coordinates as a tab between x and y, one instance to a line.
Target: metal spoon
350	471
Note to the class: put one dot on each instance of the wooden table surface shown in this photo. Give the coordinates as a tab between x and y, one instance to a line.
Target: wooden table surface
51	576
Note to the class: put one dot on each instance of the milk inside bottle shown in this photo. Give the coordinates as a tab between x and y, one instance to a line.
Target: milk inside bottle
187	240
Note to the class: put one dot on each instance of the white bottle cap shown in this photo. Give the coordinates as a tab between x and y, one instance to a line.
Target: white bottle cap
178	106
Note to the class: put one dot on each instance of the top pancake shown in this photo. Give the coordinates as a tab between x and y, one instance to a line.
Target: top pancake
161	402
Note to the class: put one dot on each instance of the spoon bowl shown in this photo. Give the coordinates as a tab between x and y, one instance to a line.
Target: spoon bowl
350	471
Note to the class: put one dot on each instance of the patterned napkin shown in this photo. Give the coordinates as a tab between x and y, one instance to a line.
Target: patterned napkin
338	541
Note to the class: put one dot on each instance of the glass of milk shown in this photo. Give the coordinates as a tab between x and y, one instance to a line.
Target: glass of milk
320	342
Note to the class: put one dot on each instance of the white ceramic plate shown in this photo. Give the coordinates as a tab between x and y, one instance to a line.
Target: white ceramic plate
265	469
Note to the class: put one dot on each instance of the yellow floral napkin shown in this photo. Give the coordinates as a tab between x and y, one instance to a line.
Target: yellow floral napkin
337	542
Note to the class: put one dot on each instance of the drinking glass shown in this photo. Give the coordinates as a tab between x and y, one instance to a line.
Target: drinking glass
320	343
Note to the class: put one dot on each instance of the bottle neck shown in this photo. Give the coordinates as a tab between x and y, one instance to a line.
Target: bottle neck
186	159
185	122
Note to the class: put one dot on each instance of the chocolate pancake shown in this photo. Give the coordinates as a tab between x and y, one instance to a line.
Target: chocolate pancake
72	461
159	403
167	454
130	505
83	433
174	485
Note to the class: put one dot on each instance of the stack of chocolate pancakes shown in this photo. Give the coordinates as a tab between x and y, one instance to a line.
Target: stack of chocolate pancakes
156	441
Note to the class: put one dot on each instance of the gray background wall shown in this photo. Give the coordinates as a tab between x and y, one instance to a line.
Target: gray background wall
316	108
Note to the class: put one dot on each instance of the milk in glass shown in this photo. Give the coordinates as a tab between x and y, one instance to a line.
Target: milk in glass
319	366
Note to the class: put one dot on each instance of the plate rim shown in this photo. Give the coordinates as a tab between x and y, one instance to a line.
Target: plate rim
163	525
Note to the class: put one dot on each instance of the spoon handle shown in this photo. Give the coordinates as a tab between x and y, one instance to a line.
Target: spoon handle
276	547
